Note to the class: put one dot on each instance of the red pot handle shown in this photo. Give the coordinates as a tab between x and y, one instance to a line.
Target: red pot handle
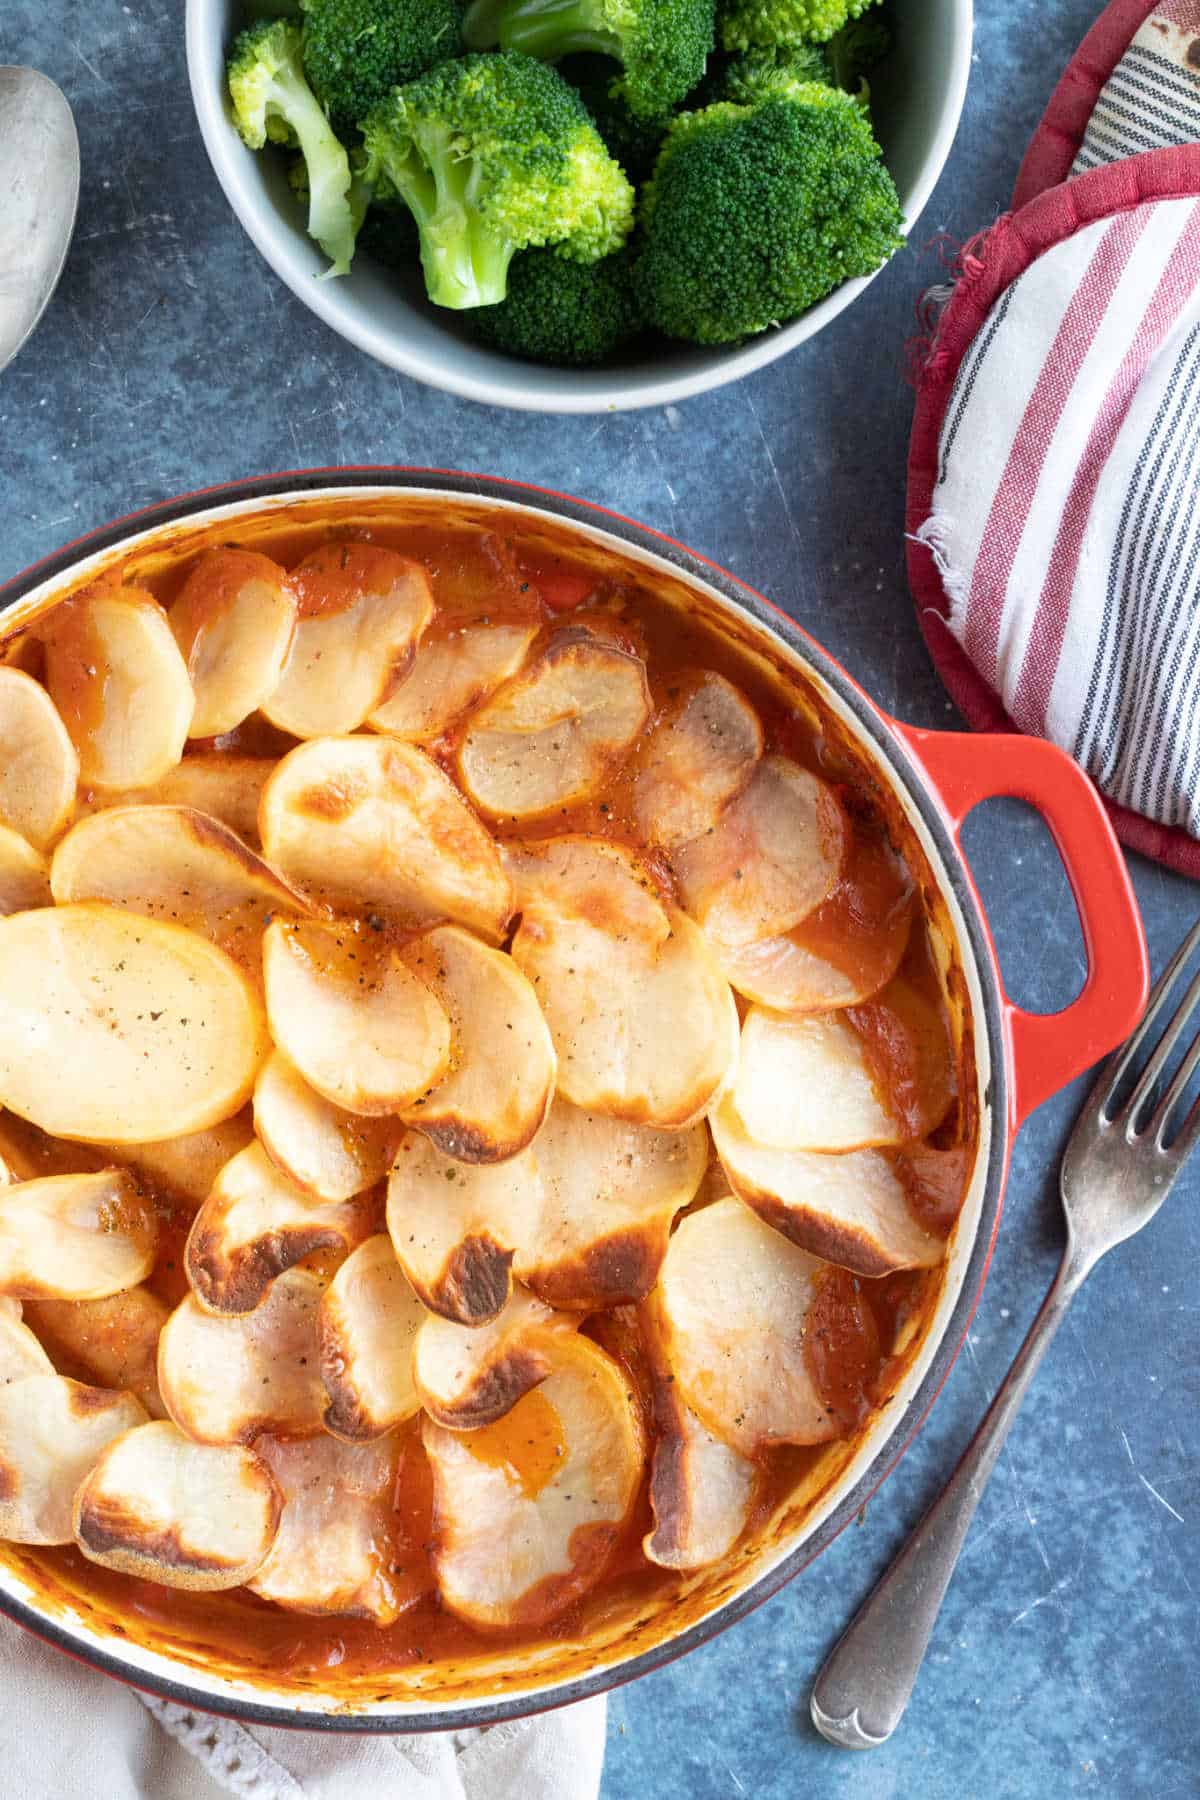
1049	1049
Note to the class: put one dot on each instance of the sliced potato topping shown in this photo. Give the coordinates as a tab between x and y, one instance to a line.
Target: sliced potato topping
468	1377
233	622
773	856
555	733
701	753
373	823
362	612
186	1167
226	786
332	1553
701	1489
450	675
370	1318
328	1153
224	1380
255	1225
500	1080
527	1510
21	1351
643	1021
75	1237
39	767
91	998
351	1016
732	1303
454	1226
51	1432
114	1341
24	873
121	687
188	1515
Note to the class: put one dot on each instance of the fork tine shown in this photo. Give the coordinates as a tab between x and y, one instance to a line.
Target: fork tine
1157	1123
1119	1062
1186	1139
1157	1061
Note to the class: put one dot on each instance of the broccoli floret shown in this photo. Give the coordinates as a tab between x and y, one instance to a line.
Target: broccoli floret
662	45
356	50
571	314
635	142
754	213
744	23
271	99
856	49
764	73
494	154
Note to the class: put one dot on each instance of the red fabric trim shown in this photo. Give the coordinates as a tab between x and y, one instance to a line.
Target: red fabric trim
1016	240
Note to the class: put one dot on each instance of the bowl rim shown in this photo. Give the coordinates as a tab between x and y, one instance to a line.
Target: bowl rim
875	727
623	394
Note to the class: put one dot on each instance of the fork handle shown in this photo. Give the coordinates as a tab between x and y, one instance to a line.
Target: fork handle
861	1693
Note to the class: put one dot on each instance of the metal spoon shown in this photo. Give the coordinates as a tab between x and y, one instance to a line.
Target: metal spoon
39	195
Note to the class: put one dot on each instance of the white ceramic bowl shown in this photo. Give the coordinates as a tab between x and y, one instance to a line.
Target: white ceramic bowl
917	97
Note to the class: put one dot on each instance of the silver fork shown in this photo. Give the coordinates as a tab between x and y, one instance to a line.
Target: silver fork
1117	1171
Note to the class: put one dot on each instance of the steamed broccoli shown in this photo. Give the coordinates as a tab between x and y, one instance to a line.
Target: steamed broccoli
763	74
754	213
634	141
271	99
356	50
661	44
856	49
494	154
746	22
562	312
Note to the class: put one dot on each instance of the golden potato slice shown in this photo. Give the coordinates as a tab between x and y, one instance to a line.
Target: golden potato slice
161	1508
554	734
186	1167
113	1341
732	1303
333	1551
527	1511
352	1017
233	621
701	753
371	822
118	1029
702	1491
254	1226
643	1021
24	874
51	1432
773	856
75	1237
225	1380
121	687
451	674
454	1226
328	1153
362	612
225	786
470	1376
21	1351
500	1081
850	1209
39	767
370	1317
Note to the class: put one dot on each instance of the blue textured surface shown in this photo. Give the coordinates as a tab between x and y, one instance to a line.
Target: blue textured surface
1065	1660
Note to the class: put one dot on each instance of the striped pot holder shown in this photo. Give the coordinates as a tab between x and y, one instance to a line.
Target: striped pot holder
1054	473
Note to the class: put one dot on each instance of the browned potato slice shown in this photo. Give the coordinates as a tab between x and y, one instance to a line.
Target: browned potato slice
51	1433
450	675
226	786
454	1226
469	1376
370	822
732	1302
774	855
556	732
113	1341
330	1154
369	1320
527	1511
352	1017
703	749
333	1552
39	767
610	1191
233	622
851	1209
362	612
643	1021
21	1352
24	875
254	1226
120	685
494	1096
186	1167
118	1029
702	1491
224	1380
75	1237
161	1508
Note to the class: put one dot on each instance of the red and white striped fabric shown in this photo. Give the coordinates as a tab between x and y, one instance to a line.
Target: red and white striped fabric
1152	97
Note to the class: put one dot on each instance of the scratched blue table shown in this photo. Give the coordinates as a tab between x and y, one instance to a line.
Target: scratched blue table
1065	1660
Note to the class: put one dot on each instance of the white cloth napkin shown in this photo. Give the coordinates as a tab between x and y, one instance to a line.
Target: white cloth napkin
71	1734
